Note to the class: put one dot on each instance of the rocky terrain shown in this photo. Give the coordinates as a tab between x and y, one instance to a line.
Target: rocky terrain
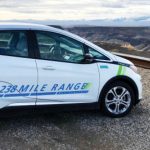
132	40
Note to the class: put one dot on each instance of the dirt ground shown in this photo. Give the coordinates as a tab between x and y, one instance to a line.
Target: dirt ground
82	130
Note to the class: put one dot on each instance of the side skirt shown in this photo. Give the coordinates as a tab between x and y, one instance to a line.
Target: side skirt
31	110
68	107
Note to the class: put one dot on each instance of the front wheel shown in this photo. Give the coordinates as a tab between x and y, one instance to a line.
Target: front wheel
118	99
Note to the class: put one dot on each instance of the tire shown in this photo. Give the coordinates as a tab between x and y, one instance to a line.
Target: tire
117	99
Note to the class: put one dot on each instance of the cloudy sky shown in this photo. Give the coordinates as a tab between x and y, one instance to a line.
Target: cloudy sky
74	9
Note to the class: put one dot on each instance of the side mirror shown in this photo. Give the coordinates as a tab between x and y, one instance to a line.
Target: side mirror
88	58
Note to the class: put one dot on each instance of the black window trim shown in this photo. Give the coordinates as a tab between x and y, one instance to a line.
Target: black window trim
32	43
87	49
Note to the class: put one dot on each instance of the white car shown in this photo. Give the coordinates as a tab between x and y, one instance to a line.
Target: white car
45	66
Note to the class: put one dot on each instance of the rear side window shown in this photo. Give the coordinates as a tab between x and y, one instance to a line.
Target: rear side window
13	43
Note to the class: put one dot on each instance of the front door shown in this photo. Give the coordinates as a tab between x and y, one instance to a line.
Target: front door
62	75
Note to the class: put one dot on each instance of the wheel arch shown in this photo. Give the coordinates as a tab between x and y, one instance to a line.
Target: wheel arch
123	79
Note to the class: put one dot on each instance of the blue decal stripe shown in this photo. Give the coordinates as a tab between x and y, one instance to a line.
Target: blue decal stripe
33	94
45	93
72	92
15	95
1	95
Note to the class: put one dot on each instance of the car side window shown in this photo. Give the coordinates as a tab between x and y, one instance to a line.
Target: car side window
97	55
57	47
13	43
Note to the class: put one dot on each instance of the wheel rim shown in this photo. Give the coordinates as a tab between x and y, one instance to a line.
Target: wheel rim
118	100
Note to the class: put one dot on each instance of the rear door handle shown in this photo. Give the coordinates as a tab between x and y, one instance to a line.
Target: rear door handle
49	68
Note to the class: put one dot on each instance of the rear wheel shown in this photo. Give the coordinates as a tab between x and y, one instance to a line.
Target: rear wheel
118	99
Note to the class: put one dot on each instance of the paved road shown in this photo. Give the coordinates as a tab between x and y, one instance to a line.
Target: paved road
80	130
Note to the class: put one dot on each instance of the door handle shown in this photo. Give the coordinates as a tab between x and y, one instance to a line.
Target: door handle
49	68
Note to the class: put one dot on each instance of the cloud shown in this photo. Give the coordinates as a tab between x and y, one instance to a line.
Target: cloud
73	10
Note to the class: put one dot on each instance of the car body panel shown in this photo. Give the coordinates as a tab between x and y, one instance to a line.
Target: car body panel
110	71
67	82
51	82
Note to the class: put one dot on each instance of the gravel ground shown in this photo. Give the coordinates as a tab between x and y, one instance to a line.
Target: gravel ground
80	130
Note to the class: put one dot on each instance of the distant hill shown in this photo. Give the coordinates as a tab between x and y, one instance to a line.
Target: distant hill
143	21
132	40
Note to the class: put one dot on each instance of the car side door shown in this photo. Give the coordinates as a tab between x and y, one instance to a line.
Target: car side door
18	77
63	76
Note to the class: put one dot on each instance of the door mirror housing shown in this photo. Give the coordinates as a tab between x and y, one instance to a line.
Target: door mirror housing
88	58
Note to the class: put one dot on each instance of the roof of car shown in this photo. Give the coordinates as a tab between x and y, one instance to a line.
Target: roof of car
31	26
26	26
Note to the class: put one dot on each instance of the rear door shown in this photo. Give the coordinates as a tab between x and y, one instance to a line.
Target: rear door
18	73
62	75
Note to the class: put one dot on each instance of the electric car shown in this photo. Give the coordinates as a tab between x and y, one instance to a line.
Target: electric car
45	66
